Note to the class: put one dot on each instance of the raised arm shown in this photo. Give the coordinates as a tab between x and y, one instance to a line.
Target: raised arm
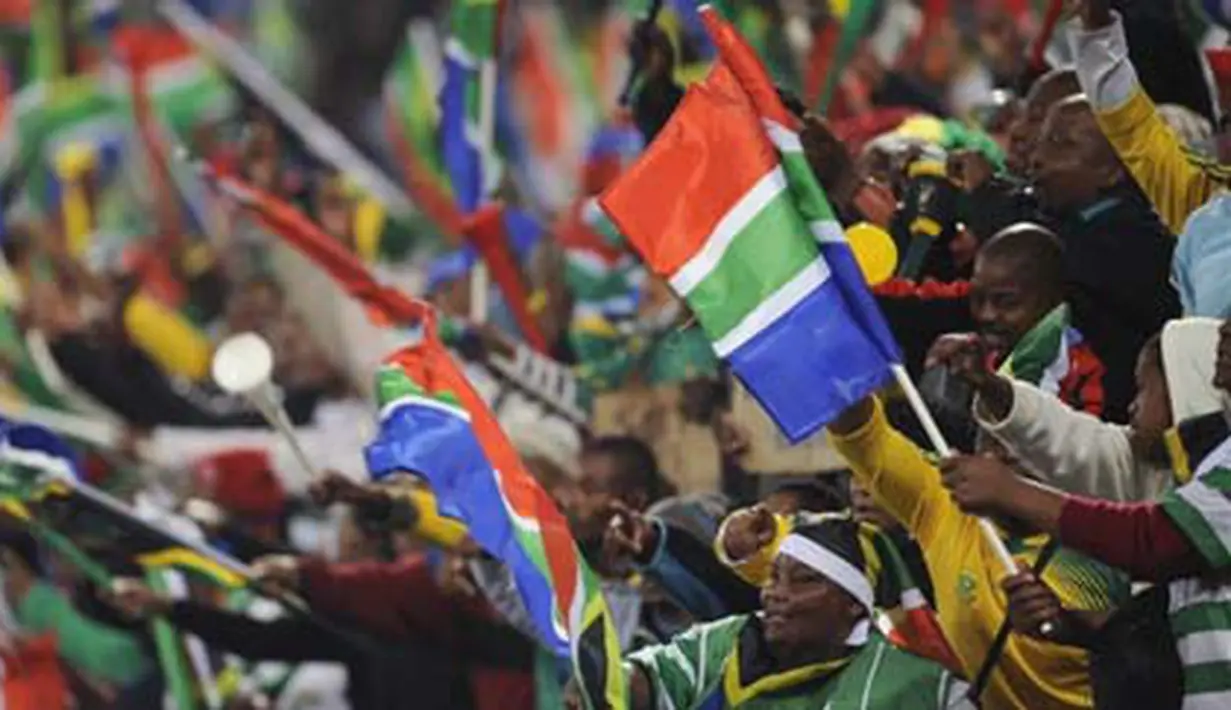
1139	538
1058	445
892	469
1065	448
682	672
1149	148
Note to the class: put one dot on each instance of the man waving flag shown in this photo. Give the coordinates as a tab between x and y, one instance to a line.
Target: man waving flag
747	238
433	424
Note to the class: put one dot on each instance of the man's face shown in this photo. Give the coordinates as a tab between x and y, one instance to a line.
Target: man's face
804	610
589	506
1150	413
1024	134
1072	161
1002	304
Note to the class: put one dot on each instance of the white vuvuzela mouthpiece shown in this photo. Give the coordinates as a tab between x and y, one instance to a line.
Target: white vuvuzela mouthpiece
243	363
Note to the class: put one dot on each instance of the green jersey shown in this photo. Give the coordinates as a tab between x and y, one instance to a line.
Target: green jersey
723	665
1200	609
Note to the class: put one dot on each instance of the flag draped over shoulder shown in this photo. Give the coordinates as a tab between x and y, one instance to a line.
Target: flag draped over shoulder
433	424
724	206
1054	357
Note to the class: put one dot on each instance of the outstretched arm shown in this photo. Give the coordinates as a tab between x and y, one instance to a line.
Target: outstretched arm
1149	148
1139	538
890	467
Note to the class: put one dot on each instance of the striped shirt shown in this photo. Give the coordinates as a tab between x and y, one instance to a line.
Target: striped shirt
1200	608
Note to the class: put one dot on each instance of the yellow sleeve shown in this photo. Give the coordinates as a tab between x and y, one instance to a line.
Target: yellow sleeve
430	525
895	472
755	568
1157	159
170	339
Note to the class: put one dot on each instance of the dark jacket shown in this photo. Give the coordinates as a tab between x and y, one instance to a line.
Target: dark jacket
379	675
126	381
1118	260
401	600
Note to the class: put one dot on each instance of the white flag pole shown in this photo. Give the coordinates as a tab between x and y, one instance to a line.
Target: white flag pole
942	447
480	279
318	135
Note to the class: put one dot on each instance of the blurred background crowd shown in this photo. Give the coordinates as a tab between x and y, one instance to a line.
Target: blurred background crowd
1034	191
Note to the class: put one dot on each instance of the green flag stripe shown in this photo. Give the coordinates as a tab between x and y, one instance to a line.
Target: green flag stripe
189	92
1217	478
767	253
474	26
809	195
1039	348
812	202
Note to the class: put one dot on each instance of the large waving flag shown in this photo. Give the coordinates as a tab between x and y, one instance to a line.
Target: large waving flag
724	205
432	423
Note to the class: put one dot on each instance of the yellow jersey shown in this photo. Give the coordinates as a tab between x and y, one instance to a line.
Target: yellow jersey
966	574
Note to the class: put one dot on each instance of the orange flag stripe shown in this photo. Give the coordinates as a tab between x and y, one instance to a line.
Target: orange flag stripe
682	161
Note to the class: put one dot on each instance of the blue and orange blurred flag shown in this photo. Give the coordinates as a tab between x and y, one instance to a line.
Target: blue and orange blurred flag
433	424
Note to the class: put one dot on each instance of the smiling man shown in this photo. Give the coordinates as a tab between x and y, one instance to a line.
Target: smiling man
1017	299
814	646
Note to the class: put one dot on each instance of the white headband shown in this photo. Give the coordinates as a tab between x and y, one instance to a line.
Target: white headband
835	568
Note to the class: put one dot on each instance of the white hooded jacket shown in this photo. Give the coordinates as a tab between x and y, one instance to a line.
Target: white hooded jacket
1081	454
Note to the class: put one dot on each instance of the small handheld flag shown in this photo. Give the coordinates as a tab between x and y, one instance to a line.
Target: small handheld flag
748	239
37	464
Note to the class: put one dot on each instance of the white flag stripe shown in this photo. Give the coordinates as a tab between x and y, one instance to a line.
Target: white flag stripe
418	401
692	273
771	309
827	232
783	138
1220	700
458	51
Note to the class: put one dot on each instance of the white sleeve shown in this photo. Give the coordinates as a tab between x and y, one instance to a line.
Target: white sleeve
1107	77
1071	450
